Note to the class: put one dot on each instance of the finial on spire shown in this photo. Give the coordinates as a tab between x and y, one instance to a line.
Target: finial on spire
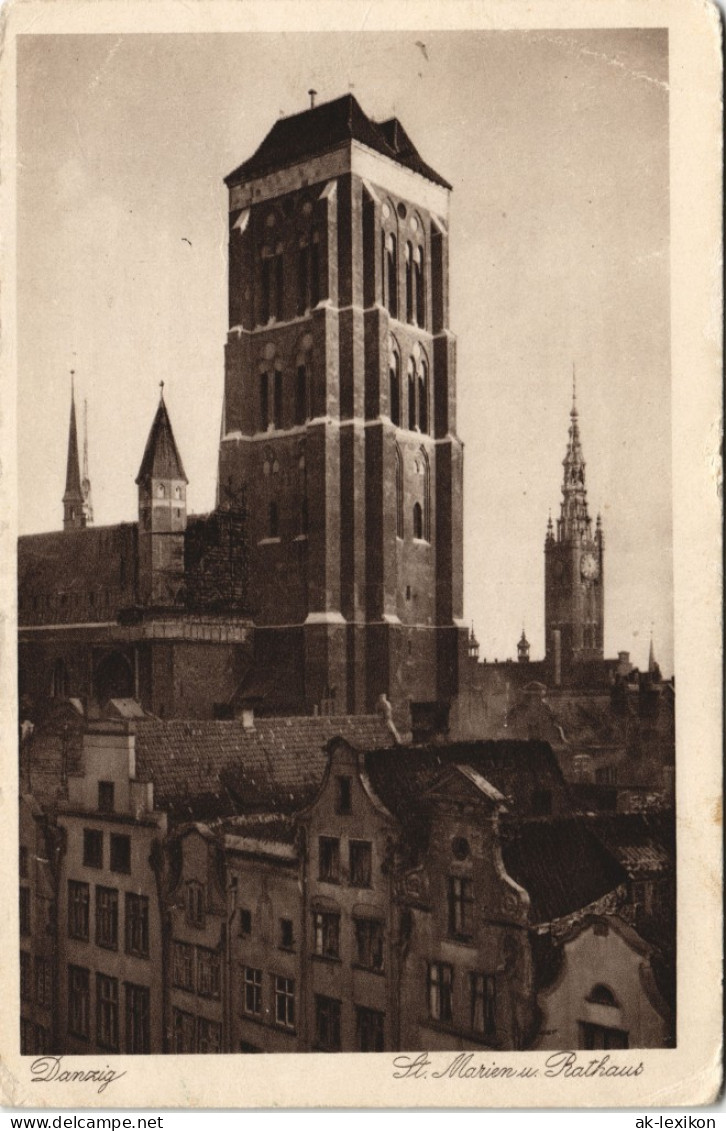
161	386
312	94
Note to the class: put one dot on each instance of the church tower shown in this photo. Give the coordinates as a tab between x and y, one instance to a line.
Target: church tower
162	515
574	605
340	410
74	515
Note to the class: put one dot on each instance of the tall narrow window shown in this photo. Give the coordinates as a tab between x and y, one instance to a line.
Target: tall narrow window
409	283
394	387
417	521
315	270
303	274
483	1005
277	404
418	287
138	1036
411	390
107	1012
265	306
264	402
301	394
279	284
399	493
423	397
440	986
390	273
461	907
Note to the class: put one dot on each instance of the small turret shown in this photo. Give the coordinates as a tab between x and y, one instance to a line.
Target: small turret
523	647
162	487
73	512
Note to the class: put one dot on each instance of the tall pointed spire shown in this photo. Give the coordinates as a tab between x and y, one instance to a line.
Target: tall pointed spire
86	481
574	517
73	518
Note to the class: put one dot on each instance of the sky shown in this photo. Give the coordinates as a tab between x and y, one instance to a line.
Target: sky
556	145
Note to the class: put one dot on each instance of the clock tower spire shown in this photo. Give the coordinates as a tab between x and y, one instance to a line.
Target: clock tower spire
573	571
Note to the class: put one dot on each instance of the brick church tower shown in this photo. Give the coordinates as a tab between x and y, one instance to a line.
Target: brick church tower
340	412
574	589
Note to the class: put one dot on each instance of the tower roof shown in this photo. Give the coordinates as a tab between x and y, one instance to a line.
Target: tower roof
574	495
327	126
73	472
161	455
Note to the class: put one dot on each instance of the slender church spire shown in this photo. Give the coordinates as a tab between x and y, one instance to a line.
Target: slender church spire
73	517
574	514
86	481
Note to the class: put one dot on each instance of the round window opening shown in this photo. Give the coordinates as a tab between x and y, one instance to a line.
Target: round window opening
460	847
402	211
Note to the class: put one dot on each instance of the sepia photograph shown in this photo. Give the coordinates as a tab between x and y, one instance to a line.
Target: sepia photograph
347	647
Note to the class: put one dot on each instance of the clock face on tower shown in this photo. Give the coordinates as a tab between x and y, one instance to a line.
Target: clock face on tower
589	567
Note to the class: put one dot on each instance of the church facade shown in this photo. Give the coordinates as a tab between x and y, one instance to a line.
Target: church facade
331	570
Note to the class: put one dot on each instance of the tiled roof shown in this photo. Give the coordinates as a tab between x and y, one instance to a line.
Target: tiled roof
562	865
518	770
644	843
161	458
325	127
209	768
76	561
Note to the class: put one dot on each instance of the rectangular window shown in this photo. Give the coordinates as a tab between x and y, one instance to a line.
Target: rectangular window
138	1036
483	1005
329	859
252	991
25	911
265	310
343	798
92	848
194	903
185	1031
440	983
369	1030
137	925
78	903
327	934
105	796
369	943
208	972
327	1023
120	853
43	981
284	990
209	1035
360	863
315	271
183	966
107	1012
461	907
79	1002
245	921
26	976
107	917
287	934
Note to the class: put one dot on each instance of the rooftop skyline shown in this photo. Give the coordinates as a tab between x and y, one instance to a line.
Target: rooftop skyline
557	149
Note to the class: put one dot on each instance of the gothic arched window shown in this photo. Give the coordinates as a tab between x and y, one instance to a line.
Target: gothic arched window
423	396
389	260
409	283
394	386
418	287
411	391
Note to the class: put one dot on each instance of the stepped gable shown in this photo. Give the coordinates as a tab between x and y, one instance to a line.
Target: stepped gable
207	769
562	865
328	126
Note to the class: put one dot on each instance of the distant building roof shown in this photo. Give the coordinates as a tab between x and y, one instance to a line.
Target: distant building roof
76	561
644	843
207	768
562	865
325	127
161	458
